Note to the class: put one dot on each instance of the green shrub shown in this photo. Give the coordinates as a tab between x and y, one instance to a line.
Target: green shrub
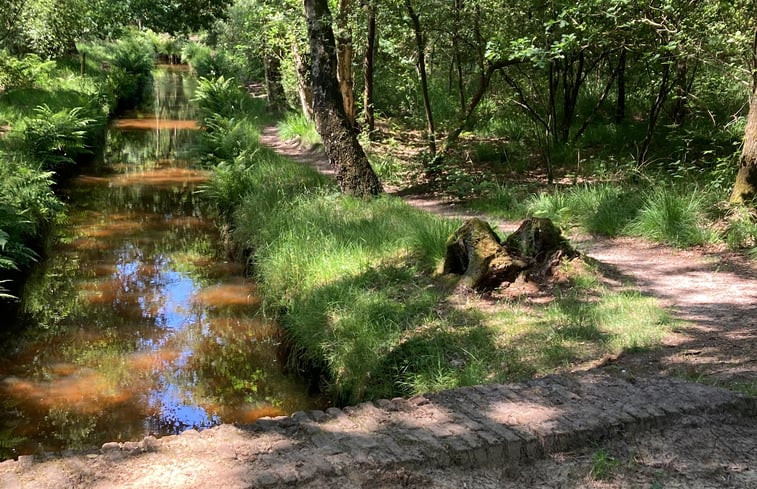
203	60
225	140
27	207
23	72
134	55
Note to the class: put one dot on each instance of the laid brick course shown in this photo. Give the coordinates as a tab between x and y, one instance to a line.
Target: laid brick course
469	427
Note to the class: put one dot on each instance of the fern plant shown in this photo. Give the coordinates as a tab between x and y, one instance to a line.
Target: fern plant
55	139
218	97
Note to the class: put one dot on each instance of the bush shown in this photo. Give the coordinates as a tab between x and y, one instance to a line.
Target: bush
219	98
203	60
23	72
27	207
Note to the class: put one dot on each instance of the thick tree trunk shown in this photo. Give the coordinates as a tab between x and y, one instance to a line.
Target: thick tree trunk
421	46
368	63
745	188
274	88
304	83
344	59
353	171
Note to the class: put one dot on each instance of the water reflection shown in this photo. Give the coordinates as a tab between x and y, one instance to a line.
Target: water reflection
139	325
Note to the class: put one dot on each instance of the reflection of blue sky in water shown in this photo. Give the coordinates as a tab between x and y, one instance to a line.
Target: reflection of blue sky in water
175	413
167	298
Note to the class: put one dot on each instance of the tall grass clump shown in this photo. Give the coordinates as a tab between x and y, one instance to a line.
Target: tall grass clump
673	217
296	126
741	230
604	209
349	273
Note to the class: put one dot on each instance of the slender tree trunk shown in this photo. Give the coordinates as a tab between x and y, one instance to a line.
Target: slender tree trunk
745	188
370	52
353	171
344	59
458	54
274	88
678	111
654	114
304	88
421	46
620	106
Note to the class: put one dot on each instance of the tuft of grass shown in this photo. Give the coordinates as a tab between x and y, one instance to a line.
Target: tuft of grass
604	208
500	200
668	216
741	231
603	465
296	126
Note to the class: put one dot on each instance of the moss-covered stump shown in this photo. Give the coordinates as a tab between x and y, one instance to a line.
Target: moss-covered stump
476	252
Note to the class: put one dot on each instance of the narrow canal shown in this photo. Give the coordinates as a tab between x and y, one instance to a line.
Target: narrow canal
136	324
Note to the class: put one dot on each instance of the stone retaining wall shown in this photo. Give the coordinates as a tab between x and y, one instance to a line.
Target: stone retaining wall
468	427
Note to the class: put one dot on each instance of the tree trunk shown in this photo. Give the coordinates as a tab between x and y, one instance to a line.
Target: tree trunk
344	59
274	88
353	171
745	188
421	46
370	52
620	106
654	115
458	54
304	89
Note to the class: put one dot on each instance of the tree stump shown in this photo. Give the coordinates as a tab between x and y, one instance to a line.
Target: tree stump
476	252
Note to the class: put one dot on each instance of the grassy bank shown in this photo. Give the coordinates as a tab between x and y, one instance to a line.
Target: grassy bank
53	120
353	283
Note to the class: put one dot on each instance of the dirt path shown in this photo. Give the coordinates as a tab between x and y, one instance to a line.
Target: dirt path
715	292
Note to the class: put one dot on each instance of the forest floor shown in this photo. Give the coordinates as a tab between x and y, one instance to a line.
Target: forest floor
711	290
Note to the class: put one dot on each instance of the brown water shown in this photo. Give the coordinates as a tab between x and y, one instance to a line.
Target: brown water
136	323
